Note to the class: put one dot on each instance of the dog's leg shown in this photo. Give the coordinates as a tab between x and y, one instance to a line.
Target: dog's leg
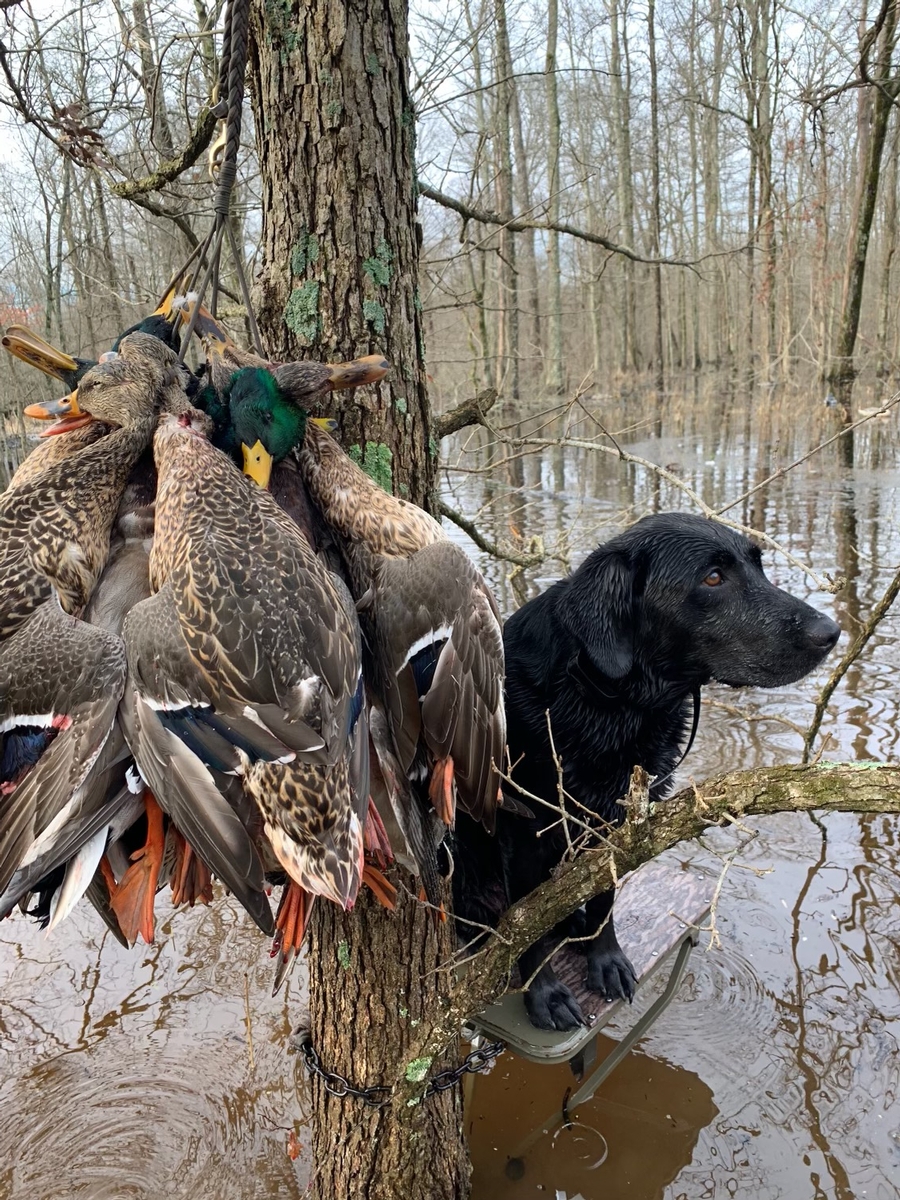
549	1003
609	971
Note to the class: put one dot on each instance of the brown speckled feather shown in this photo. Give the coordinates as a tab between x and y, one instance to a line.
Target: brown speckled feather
270	630
57	526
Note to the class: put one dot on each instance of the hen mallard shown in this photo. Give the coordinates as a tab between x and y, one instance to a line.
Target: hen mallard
29	347
55	528
63	760
429	617
246	662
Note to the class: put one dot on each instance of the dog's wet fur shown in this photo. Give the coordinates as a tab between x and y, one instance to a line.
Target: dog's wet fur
616	653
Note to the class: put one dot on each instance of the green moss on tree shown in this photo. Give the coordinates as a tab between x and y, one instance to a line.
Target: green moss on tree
305	252
374	314
282	31
378	268
301	314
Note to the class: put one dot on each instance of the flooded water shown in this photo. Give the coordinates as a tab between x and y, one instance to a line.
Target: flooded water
773	1074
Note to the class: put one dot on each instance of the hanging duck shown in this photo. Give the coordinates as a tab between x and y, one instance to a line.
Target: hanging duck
246	663
29	347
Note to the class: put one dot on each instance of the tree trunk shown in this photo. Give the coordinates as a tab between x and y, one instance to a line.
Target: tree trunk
335	131
508	349
335	137
877	102
620	74
373	985
554	376
884	366
658	353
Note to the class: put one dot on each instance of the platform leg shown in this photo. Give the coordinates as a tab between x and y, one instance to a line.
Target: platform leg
612	1060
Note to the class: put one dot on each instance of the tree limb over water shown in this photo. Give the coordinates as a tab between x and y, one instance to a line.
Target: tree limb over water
864	787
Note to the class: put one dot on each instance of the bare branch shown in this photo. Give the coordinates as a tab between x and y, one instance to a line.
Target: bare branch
183	161
519	225
469	412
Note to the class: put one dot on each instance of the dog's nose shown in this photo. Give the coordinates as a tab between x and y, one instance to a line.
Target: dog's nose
823	632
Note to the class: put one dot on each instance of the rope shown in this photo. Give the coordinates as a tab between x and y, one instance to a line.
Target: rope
230	101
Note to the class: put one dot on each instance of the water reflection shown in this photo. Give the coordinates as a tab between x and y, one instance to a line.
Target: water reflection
605	1152
131	1076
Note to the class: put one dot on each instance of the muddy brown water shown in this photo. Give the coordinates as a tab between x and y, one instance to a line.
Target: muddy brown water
164	1072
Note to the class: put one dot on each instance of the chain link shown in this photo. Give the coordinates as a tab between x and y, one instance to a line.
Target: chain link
379	1095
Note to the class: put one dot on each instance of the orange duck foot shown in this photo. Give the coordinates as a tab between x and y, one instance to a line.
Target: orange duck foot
438	915
132	900
440	790
384	891
375	837
191	881
290	929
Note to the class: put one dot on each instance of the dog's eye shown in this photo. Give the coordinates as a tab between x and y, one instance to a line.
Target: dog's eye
714	578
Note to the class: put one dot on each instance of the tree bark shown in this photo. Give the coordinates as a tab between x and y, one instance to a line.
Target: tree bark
335	136
876	103
335	131
373	985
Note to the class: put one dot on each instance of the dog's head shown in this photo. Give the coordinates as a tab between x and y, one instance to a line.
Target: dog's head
684	599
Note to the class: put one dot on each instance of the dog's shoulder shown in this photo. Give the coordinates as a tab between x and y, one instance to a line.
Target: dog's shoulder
534	638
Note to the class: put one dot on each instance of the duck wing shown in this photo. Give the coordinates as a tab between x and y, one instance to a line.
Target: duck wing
262	616
60	684
441	652
181	743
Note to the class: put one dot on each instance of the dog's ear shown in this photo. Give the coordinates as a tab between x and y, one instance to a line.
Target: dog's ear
598	610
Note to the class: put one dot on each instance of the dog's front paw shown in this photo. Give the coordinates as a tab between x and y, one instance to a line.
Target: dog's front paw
550	1005
611	974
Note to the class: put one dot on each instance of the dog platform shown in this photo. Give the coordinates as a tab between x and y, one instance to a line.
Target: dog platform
659	911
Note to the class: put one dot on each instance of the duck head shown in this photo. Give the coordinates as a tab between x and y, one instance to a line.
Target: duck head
266	425
122	391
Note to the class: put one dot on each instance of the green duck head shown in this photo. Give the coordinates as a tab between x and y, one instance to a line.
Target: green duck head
266	425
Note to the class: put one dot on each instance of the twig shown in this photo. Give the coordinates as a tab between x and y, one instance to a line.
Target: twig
885	408
876	616
533	559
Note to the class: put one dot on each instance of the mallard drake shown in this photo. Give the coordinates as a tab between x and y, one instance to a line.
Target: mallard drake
299	381
29	347
246	662
430	620
79	494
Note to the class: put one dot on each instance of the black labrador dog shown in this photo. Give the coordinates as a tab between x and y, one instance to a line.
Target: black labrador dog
617	653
